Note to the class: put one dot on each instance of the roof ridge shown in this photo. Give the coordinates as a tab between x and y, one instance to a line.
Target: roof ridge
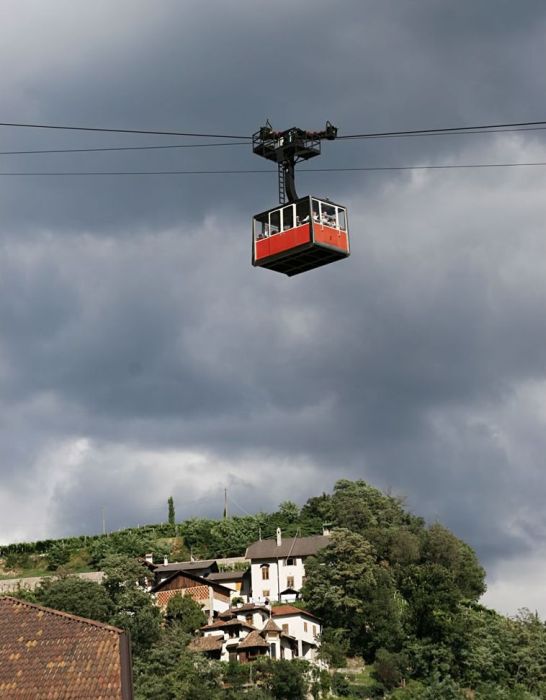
291	610
61	613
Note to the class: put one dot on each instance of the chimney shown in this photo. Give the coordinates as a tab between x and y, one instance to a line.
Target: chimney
165	561
149	558
279	537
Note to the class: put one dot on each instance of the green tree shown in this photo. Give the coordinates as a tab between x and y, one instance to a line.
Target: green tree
442	548
348	589
334	647
527	663
359	507
17	560
134	609
129	543
137	613
186	613
197	535
122	573
171	516
58	555
77	596
169	672
284	680
290	511
389	668
442	688
230	537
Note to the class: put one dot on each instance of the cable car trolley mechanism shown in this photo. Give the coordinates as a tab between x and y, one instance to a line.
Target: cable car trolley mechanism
301	233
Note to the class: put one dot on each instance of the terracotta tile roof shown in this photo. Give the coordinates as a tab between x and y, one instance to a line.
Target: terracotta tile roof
212	643
290	547
253	640
45	653
271	626
281	610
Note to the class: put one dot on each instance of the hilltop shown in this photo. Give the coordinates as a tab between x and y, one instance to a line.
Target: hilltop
401	594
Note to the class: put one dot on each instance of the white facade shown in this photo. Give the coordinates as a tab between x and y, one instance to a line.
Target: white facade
270	577
277	566
289	632
304	627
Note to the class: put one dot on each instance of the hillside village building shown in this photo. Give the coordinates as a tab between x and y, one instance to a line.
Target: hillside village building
213	597
277	567
199	568
246	632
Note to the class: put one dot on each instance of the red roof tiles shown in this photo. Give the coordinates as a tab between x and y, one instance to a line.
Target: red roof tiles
281	610
45	653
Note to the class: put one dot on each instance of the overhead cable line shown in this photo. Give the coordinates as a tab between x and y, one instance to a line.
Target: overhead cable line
240	507
481	128
121	131
445	133
231	143
484	128
248	172
123	148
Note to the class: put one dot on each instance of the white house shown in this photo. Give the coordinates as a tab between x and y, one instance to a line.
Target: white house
278	566
302	626
246	632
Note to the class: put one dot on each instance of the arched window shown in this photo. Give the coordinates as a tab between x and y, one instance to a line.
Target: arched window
265	572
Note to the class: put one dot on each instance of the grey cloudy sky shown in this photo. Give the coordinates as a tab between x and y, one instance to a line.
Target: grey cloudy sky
142	356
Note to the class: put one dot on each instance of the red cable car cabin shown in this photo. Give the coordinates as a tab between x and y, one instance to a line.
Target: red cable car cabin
300	236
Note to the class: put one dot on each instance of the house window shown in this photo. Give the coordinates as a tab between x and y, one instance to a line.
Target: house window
273	651
290	561
314	630
266	593
305	626
290	581
285	629
265	572
248	619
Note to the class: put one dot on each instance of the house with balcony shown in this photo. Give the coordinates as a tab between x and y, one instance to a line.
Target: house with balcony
246	632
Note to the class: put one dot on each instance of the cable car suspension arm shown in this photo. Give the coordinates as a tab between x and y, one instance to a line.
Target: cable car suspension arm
287	148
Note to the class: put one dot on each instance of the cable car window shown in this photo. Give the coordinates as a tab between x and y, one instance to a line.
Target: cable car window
328	215
342	222
316	211
302	212
288	217
261	229
274	222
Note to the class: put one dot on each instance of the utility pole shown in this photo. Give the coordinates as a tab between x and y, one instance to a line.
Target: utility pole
225	504
103	520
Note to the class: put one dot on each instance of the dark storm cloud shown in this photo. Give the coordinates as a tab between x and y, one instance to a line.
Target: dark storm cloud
371	66
139	350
